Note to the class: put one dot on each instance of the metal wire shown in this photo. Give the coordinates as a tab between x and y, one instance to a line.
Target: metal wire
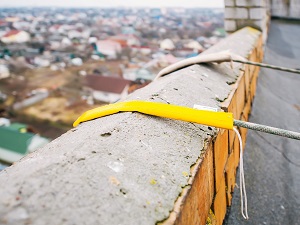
268	66
267	129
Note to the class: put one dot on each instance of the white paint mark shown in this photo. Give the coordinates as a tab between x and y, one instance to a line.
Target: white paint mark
203	107
17	215
146	145
115	166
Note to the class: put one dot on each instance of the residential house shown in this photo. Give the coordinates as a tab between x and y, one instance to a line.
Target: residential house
126	40
15	36
138	74
167	44
192	44
3	24
4	72
65	42
107	89
145	50
41	61
137	85
16	142
35	96
109	48
168	59
161	60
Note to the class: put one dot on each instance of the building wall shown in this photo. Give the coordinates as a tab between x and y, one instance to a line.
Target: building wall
31	101
21	37
256	13
286	8
106	96
241	13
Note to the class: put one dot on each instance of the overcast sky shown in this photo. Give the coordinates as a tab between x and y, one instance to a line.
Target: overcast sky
114	3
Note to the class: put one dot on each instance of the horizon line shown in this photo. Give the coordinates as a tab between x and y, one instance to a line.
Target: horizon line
186	7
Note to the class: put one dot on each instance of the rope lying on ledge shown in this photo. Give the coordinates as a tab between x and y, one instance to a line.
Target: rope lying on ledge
224	56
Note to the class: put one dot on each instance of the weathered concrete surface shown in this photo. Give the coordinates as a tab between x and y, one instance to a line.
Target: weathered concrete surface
272	164
127	168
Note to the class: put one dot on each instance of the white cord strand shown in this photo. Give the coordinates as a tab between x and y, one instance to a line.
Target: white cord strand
242	179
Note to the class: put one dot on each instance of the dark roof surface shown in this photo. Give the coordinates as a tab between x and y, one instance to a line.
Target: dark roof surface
272	163
106	84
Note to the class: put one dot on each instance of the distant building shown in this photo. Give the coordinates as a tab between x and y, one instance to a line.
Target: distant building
167	44
16	141
109	48
77	61
142	49
37	95
15	36
138	74
107	89
126	40
192	44
12	19
4	72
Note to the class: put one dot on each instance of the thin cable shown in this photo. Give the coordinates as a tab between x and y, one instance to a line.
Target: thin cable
267	129
242	179
267	66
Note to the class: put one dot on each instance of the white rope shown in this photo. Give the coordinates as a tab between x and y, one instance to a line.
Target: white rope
242	179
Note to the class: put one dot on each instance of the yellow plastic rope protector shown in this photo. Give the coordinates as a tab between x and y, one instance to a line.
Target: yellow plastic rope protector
209	118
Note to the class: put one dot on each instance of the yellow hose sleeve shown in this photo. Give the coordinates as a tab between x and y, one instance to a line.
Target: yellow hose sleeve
209	118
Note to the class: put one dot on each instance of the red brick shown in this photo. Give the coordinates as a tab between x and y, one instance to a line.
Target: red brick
220	156
230	172
197	200
219	205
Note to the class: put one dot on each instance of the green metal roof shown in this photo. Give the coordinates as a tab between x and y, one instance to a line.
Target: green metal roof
17	126
11	139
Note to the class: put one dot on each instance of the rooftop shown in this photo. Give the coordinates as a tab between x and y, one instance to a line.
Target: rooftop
107	84
272	163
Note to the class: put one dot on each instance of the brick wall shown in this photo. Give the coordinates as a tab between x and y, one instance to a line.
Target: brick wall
286	8
256	13
241	13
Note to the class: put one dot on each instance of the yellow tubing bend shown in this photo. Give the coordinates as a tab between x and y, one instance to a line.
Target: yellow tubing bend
209	118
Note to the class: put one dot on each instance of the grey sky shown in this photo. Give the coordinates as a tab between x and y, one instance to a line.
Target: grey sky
114	3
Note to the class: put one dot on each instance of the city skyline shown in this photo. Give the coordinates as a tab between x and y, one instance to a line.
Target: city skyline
116	3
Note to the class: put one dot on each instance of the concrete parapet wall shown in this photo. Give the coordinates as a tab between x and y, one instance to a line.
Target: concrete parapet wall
131	168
